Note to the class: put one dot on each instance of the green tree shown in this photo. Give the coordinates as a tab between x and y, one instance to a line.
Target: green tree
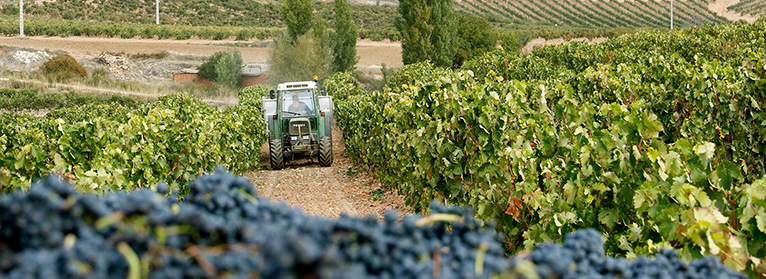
223	67
415	30
474	37
297	15
445	30
299	60
428	29
344	43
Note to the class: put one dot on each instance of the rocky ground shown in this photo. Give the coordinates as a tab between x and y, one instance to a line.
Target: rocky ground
328	191
155	61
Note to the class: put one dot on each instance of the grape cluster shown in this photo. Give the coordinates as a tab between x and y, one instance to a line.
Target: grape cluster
221	229
582	256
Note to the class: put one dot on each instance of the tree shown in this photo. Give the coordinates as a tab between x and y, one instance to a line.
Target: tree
297	15
344	43
223	67
428	31
445	30
415	30
297	54
296	61
474	37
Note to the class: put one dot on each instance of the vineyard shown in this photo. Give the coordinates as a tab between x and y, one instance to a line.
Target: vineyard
180	19
594	13
253	19
655	139
639	157
754	7
129	146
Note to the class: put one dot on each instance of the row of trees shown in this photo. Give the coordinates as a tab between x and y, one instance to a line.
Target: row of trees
308	48
431	30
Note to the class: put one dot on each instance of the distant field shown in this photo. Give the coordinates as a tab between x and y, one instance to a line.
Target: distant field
381	14
598	13
244	13
754	7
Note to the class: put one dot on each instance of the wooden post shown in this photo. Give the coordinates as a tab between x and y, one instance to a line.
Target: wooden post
158	12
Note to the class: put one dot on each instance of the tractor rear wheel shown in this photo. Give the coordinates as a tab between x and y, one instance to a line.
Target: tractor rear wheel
325	151
276	154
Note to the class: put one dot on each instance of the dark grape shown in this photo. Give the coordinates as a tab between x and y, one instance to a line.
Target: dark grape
582	256
222	229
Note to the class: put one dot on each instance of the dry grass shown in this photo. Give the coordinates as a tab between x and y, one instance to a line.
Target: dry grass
100	83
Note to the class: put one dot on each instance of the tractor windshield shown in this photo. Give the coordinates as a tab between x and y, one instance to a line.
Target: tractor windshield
298	102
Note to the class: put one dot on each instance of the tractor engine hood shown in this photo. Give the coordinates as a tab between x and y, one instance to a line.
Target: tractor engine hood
300	126
300	134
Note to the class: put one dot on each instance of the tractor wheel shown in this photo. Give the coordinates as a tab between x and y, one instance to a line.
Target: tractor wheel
325	151
276	154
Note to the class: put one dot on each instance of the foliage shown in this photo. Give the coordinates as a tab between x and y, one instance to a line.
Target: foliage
298	16
343	85
62	67
251	96
45	26
474	37
321	37
652	149
428	31
344	42
107	147
223	67
240	14
28	99
294	62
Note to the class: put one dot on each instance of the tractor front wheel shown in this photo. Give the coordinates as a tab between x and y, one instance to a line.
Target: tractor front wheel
325	151
276	154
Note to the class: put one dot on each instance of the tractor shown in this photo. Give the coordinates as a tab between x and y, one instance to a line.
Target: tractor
299	117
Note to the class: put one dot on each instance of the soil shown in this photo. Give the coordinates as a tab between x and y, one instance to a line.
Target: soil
253	52
326	191
720	7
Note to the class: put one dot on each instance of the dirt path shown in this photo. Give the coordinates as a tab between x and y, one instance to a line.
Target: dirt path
327	191
369	52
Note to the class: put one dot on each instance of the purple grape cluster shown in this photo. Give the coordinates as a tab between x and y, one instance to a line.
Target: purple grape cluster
221	229
582	256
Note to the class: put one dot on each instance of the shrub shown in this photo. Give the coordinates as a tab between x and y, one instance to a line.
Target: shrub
62	68
245	34
223	67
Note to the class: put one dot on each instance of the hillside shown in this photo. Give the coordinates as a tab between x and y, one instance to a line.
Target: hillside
380	14
246	13
603	13
752	7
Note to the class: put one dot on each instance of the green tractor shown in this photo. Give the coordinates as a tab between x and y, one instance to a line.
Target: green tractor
300	119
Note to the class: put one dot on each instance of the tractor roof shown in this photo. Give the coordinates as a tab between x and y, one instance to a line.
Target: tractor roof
296	85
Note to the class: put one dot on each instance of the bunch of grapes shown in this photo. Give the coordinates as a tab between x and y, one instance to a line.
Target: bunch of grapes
221	229
582	256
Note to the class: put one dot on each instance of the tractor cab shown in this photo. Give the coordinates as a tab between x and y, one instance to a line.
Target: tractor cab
300	119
